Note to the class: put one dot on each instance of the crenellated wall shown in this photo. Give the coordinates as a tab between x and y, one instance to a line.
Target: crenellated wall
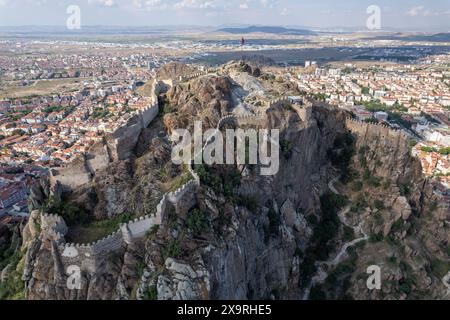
56	229
124	139
199	74
304	111
110	150
116	146
278	102
362	128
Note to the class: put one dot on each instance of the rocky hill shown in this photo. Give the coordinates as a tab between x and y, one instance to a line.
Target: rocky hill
348	195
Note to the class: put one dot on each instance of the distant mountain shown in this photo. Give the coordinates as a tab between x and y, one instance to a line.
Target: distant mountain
444	37
438	37
268	29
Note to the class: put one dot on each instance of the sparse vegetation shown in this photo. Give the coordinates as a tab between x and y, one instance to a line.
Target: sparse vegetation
274	221
171	250
180	181
341	154
439	268
357	186
220	181
379	204
151	293
249	202
197	221
349	234
376	237
95	230
323	233
71	213
13	288
286	148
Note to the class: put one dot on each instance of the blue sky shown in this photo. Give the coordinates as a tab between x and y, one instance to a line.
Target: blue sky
404	14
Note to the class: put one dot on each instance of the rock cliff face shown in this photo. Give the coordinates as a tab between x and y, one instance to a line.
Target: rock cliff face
401	213
11	268
250	245
207	98
174	70
241	235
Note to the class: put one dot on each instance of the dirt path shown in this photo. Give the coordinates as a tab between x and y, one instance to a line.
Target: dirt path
321	274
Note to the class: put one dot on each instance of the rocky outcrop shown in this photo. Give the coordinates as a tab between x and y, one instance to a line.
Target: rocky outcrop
231	233
252	252
398	209
207	98
174	70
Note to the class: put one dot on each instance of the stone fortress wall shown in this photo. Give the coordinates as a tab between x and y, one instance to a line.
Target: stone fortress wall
55	227
85	255
199	74
115	146
363	128
304	111
355	126
80	171
139	227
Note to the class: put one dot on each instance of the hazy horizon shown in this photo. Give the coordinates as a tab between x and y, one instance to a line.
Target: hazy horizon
213	28
404	15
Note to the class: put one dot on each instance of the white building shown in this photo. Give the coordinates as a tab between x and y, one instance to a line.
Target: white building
381	116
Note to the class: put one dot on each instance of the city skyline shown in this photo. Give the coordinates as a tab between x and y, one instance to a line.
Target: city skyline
417	15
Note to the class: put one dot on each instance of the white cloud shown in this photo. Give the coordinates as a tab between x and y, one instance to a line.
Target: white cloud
243	5
422	11
105	3
197	4
268	3
149	4
415	11
429	13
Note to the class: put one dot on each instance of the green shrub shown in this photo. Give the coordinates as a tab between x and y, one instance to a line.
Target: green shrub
95	230
171	250
286	148
323	233
274	221
341	154
406	285
152	232
249	202
397	226
405	190
168	108
412	143
221	181
317	293
180	181
151	293
370	179
379	204
197	221
13	288
440	268
72	214
349	234
392	259
357	186
376	237
434	206
360	203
